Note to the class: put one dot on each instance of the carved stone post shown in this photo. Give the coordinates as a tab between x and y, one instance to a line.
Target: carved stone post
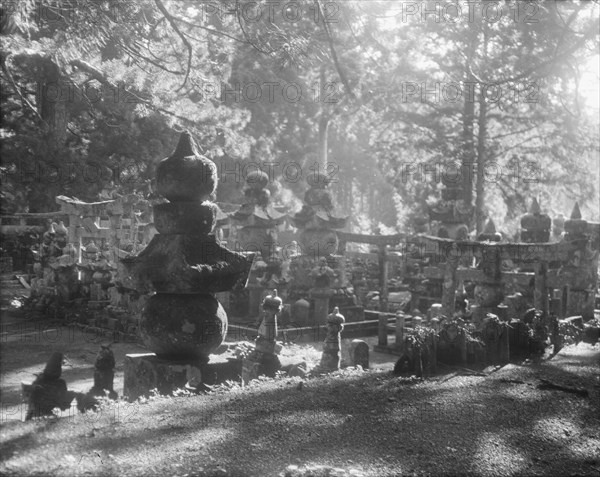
400	331
450	282
330	359
182	322
383	278
263	359
581	271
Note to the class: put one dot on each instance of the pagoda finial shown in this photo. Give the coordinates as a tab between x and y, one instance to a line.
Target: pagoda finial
186	146
534	208
490	227
576	214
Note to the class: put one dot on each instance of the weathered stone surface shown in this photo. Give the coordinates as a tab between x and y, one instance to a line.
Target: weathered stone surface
359	353
185	264
190	218
186	175
177	325
330	359
145	372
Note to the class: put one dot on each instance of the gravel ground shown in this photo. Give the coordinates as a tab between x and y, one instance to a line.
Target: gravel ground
353	422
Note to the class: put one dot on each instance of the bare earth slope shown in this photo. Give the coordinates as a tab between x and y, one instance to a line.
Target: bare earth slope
368	423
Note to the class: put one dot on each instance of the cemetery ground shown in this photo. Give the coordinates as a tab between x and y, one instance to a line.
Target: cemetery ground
360	422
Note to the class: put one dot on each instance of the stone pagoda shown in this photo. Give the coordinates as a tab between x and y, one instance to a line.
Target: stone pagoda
257	222
319	273
453	213
184	265
489	291
535	226
580	271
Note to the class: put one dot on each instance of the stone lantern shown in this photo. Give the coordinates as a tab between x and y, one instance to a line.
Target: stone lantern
488	293
257	222
184	265
580	271
330	359
453	212
535	226
263	359
319	273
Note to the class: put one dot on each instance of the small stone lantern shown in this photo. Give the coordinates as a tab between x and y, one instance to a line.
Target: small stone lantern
535	225
330	359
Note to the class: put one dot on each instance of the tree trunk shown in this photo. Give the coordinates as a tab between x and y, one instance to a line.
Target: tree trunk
481	148
481	162
52	102
468	146
323	137
323	127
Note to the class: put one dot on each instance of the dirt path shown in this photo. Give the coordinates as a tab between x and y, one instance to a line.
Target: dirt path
370	423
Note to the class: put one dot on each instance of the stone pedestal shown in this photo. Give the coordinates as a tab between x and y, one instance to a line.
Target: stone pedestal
146	371
263	360
359	353
185	265
330	359
321	300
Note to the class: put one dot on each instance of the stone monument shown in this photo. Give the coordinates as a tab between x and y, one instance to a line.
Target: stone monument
535	226
263	360
319	274
257	222
330	359
184	265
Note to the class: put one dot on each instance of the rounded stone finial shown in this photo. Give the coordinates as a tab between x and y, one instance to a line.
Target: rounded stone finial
257	179
273	302
534	208
575	225
61	229
576	213
489	232
318	180
335	317
186	175
186	146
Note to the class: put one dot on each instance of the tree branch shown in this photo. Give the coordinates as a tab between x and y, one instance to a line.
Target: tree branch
185	41
334	56
17	89
103	79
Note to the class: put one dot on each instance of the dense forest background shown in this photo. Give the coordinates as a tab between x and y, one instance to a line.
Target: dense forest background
383	96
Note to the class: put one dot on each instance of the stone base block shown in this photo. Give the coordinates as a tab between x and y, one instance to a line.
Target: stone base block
330	361
145	372
359	353
258	364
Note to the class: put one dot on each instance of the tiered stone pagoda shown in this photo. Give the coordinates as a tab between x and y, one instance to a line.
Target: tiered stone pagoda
489	291
258	222
182	323
581	269
453	212
319	273
535	226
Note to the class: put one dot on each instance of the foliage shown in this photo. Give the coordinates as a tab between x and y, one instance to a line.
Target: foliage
130	75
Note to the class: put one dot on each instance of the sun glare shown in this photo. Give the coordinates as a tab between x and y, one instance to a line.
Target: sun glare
589	85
